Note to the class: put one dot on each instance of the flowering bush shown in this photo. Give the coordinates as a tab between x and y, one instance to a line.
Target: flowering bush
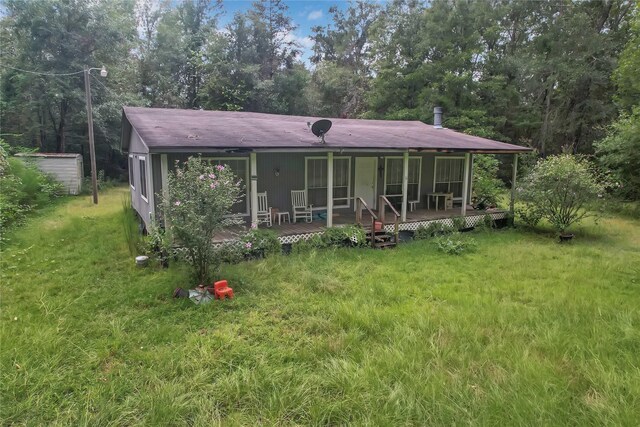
561	189
197	206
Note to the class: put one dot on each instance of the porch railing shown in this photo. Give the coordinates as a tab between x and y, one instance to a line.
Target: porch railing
359	205
383	202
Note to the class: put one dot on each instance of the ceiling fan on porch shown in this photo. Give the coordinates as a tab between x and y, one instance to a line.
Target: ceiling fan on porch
320	128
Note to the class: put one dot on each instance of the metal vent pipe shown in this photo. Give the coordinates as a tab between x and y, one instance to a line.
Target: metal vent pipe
437	117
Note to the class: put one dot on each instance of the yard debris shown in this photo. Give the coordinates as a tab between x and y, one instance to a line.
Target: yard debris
199	295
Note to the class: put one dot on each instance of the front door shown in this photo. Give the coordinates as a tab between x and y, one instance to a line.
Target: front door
365	182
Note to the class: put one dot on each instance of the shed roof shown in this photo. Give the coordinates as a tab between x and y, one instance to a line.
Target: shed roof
192	130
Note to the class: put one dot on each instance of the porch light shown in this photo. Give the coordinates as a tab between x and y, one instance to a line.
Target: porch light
276	171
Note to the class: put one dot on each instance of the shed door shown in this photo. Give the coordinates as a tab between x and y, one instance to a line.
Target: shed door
365	182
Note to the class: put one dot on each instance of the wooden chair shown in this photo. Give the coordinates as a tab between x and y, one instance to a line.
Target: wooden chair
300	207
264	210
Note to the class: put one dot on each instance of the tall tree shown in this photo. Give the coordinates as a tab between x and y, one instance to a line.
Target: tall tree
53	40
258	67
342	56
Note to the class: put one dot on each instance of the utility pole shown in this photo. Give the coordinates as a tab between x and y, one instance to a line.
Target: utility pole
92	147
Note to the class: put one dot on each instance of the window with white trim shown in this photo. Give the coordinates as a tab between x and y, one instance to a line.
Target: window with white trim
131	176
143	178
449	175
240	167
316	181
393	177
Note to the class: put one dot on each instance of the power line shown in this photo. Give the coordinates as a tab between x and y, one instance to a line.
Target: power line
42	74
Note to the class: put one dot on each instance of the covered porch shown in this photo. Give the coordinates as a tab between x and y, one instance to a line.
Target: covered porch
415	194
290	232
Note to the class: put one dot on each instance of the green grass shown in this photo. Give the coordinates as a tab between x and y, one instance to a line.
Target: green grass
521	331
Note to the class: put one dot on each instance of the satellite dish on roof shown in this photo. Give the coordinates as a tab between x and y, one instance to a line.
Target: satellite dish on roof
320	128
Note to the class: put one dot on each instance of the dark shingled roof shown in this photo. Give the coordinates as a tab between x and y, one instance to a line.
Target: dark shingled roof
171	129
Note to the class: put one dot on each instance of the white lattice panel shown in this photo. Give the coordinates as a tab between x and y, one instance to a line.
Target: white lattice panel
293	238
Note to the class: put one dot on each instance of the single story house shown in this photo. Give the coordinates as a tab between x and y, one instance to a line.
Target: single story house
356	162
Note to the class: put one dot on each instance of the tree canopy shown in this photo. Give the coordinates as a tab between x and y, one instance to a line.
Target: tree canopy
550	75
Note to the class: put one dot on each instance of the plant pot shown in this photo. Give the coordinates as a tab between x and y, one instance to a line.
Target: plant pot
566	237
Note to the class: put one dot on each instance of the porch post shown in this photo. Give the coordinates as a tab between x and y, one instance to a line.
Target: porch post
405	185
164	177
465	184
329	189
254	188
471	180
513	184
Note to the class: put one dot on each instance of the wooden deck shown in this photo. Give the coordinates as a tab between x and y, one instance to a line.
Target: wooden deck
348	216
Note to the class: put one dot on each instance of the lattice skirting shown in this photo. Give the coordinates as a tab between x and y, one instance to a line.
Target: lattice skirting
471	221
297	237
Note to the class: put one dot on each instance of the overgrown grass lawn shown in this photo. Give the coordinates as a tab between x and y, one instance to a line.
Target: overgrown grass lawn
522	331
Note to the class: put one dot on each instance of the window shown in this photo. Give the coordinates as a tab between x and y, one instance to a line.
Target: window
316	181
449	175
143	178
239	166
131	177
393	177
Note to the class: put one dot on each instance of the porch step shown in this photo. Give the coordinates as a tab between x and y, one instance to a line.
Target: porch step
385	245
382	239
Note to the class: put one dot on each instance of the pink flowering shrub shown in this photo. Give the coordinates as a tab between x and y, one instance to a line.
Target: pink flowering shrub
198	205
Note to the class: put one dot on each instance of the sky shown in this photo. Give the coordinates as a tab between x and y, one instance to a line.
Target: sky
305	14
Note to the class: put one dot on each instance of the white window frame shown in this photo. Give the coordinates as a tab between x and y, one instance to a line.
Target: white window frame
306	179
247	183
435	171
386	168
132	176
146	178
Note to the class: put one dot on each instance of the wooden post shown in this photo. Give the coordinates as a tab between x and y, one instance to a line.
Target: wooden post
92	148
405	185
329	189
164	177
465	184
254	188
471	181
513	184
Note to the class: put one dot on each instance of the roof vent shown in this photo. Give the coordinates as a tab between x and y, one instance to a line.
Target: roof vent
437	117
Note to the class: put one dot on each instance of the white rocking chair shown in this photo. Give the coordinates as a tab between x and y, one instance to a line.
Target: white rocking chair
300	207
264	210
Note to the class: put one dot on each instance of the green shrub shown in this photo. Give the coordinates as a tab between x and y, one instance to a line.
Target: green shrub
459	222
529	215
433	229
23	188
486	185
259	242
230	252
335	237
455	244
488	221
351	235
562	189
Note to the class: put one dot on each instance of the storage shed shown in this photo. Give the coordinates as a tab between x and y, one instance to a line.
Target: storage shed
64	167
